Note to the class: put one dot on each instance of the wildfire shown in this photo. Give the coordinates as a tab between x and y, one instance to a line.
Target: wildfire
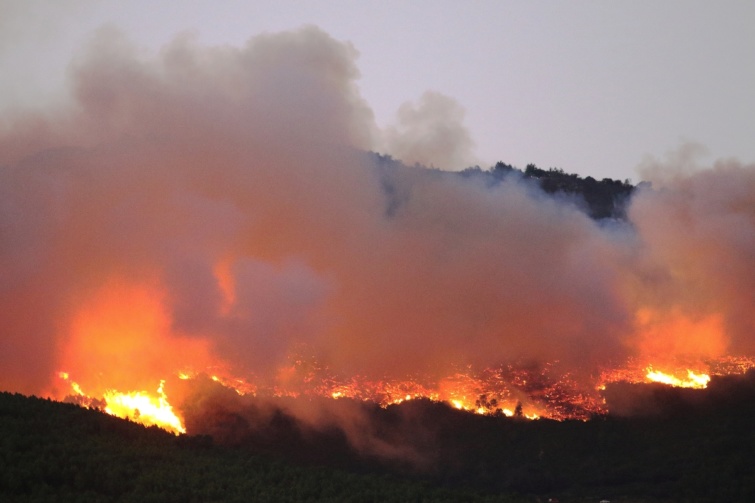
145	409
509	390
693	380
128	326
139	406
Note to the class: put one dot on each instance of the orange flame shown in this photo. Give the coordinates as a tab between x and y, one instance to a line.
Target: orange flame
122	338
693	380
138	406
144	408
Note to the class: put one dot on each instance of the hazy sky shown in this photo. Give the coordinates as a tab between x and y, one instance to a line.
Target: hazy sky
589	86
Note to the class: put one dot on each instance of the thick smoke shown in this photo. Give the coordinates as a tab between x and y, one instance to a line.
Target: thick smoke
698	252
219	204
431	134
320	429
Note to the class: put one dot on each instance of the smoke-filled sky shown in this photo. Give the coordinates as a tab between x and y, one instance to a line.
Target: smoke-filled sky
591	87
216	203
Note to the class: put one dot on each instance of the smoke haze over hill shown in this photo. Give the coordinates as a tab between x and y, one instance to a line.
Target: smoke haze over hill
219	204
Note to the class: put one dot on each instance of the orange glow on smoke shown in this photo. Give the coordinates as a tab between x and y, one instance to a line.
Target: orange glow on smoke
121	338
673	335
121	343
226	283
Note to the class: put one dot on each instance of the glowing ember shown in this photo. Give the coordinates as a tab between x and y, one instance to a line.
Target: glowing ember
509	390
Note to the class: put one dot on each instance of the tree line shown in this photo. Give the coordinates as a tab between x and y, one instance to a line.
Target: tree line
606	198
681	445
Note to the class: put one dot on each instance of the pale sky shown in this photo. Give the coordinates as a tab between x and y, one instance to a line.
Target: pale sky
592	87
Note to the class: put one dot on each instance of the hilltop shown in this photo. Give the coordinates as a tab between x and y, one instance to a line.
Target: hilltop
606	198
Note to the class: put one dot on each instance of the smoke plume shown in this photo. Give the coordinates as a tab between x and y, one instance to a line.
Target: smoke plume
219	204
431	134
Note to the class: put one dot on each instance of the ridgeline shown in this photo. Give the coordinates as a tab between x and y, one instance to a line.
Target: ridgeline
606	198
680	445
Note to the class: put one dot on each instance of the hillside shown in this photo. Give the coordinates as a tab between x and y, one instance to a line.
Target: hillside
678	444
685	446
51	451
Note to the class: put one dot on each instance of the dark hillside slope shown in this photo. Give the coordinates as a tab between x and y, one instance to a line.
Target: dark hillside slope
52	451
678	444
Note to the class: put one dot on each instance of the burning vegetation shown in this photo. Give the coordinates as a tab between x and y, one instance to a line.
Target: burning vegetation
212	220
510	390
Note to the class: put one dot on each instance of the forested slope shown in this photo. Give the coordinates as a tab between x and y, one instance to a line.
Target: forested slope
677	444
52	451
685	445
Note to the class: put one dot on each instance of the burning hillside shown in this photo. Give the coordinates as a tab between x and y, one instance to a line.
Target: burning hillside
214	213
508	390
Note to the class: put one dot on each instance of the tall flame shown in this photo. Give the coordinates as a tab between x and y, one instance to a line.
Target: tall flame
139	406
144	408
693	380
